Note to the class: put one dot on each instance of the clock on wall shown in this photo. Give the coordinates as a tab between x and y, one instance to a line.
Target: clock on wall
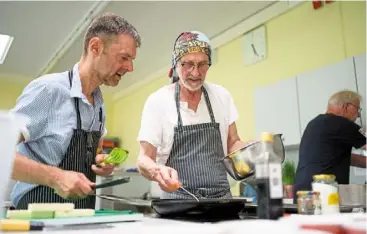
255	45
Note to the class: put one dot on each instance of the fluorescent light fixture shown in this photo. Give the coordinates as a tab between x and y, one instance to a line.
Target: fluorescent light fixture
5	43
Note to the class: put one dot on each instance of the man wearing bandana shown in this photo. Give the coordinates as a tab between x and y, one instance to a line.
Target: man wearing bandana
188	126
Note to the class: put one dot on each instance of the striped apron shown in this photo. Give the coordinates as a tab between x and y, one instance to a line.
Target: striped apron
79	157
196	153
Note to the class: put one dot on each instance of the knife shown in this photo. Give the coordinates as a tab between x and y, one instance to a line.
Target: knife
121	180
28	225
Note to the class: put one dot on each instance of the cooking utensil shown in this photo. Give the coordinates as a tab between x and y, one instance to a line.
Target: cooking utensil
192	195
119	181
203	207
352	195
116	156
124	200
240	163
27	225
111	183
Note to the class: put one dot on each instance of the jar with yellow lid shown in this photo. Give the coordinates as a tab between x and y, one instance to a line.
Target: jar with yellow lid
308	203
329	196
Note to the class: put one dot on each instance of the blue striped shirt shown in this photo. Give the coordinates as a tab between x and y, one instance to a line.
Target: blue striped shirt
49	105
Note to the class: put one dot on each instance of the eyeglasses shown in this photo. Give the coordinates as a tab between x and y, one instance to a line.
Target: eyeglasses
359	110
189	66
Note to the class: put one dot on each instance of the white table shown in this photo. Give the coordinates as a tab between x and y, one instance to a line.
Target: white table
285	225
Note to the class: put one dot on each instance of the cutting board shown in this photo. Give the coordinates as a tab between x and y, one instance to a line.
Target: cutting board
100	216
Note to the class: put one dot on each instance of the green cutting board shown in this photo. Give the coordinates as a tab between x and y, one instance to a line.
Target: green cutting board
100	216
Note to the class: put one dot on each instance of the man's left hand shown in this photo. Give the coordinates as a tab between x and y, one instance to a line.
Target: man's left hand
104	169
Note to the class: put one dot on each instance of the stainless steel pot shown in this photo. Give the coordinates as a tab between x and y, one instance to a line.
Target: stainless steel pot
240	163
352	194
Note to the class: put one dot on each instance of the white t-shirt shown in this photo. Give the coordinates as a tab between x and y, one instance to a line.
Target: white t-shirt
160	117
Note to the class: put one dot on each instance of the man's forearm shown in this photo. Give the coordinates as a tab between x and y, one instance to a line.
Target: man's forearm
146	166
358	161
238	144
30	171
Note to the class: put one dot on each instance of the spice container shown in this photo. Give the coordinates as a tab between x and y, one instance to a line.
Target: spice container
308	203
329	195
317	202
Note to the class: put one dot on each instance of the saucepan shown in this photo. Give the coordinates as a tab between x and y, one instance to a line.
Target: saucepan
352	195
240	163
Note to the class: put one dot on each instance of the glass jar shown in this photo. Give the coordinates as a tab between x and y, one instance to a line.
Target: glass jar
308	202
317	203
329	195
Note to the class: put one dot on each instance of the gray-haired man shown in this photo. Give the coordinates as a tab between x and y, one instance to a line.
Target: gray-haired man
326	144
58	148
189	126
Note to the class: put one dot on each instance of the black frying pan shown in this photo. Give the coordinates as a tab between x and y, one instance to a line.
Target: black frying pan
203	208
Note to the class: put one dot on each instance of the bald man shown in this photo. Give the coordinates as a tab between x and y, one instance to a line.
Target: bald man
328	139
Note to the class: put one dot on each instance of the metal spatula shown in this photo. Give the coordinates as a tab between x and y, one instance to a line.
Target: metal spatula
192	195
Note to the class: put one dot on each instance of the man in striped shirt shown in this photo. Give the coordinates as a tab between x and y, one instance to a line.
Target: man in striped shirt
57	155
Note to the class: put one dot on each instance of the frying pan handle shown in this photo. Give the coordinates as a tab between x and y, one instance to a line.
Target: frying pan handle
119	181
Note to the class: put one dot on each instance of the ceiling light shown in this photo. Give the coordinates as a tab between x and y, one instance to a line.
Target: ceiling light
5	43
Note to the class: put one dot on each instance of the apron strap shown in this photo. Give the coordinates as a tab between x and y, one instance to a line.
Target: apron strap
100	119
76	101
208	104
177	99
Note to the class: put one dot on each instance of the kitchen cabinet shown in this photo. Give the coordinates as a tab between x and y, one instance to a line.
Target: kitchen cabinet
360	69
276	110
316	87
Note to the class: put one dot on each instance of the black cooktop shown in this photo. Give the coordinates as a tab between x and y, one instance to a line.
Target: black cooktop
206	218
247	213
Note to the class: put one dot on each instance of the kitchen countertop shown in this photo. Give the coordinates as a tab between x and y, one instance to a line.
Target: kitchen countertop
152	224
290	224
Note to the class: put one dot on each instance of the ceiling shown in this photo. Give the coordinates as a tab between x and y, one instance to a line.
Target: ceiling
41	28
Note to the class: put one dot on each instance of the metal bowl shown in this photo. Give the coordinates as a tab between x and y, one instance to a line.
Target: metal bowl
240	163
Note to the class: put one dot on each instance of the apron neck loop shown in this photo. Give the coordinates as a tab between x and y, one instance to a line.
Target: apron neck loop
177	100
76	102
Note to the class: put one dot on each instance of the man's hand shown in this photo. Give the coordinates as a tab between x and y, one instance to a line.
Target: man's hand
166	177
71	185
105	169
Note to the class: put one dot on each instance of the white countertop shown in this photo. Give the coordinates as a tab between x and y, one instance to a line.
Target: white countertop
285	225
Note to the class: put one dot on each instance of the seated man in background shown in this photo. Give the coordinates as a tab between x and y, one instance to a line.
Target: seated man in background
327	142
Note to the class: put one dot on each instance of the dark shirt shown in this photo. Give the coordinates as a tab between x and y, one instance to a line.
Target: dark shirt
325	148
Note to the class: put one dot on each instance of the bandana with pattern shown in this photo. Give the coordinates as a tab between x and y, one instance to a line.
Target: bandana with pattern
187	43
